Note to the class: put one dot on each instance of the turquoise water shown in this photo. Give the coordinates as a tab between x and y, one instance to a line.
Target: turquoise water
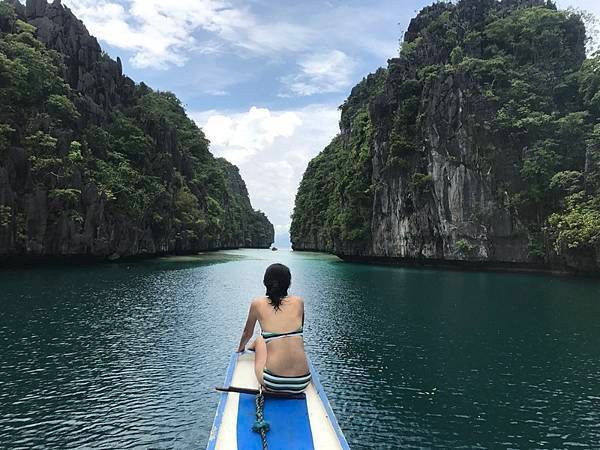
127	355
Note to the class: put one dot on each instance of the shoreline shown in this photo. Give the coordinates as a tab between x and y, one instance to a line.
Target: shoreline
461	265
25	261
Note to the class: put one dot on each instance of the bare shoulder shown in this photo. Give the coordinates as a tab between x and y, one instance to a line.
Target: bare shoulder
297	299
257	303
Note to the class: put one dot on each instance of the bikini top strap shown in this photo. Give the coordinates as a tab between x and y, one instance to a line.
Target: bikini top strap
271	336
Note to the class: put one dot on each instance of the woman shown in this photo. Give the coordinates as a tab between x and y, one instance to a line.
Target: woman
280	362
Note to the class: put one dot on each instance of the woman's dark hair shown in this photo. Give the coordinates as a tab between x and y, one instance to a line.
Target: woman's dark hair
277	281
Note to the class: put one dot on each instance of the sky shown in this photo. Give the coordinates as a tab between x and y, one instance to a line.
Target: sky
262	78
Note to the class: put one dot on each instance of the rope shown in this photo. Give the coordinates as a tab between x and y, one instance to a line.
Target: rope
261	425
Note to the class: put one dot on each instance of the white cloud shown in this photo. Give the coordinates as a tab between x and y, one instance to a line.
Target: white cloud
244	30
238	137
272	149
161	33
321	73
281	229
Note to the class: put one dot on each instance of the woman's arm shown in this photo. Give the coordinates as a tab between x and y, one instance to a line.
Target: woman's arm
249	328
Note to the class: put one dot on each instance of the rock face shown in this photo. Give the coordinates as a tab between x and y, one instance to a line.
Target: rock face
460	200
443	156
92	164
88	69
255	228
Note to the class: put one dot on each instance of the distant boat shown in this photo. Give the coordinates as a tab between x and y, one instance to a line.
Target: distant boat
274	249
300	421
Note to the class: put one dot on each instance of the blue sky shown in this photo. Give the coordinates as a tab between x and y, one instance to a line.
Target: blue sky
262	78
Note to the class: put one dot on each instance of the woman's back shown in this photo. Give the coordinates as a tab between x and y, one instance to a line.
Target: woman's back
285	355
279	362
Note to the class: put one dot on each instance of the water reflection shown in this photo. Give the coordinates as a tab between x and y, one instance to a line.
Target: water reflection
127	355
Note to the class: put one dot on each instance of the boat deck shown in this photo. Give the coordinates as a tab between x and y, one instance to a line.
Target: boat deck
295	424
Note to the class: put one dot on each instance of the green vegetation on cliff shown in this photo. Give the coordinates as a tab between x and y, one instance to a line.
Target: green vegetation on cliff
335	194
135	176
483	134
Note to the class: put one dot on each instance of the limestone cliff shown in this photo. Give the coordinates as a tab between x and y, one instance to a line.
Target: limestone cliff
93	164
255	229
469	148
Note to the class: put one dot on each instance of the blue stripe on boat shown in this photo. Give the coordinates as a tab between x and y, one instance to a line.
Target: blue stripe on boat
290	425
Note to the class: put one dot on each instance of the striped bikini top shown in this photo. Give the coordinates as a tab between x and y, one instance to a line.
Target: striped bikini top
272	336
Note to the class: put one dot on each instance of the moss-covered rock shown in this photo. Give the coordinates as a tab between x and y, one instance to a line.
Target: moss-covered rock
93	164
480	142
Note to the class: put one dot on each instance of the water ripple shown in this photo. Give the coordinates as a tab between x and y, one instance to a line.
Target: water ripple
127	356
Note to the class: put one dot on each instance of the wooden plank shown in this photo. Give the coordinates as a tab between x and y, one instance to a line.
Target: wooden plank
241	390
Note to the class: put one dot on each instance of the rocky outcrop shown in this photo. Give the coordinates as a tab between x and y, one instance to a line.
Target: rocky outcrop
460	201
88	70
447	158
255	228
104	167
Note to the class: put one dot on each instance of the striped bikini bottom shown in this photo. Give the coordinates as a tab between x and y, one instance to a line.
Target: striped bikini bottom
278	383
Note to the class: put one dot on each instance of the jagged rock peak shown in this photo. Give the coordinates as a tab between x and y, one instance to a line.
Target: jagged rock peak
35	8
18	6
466	9
87	68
